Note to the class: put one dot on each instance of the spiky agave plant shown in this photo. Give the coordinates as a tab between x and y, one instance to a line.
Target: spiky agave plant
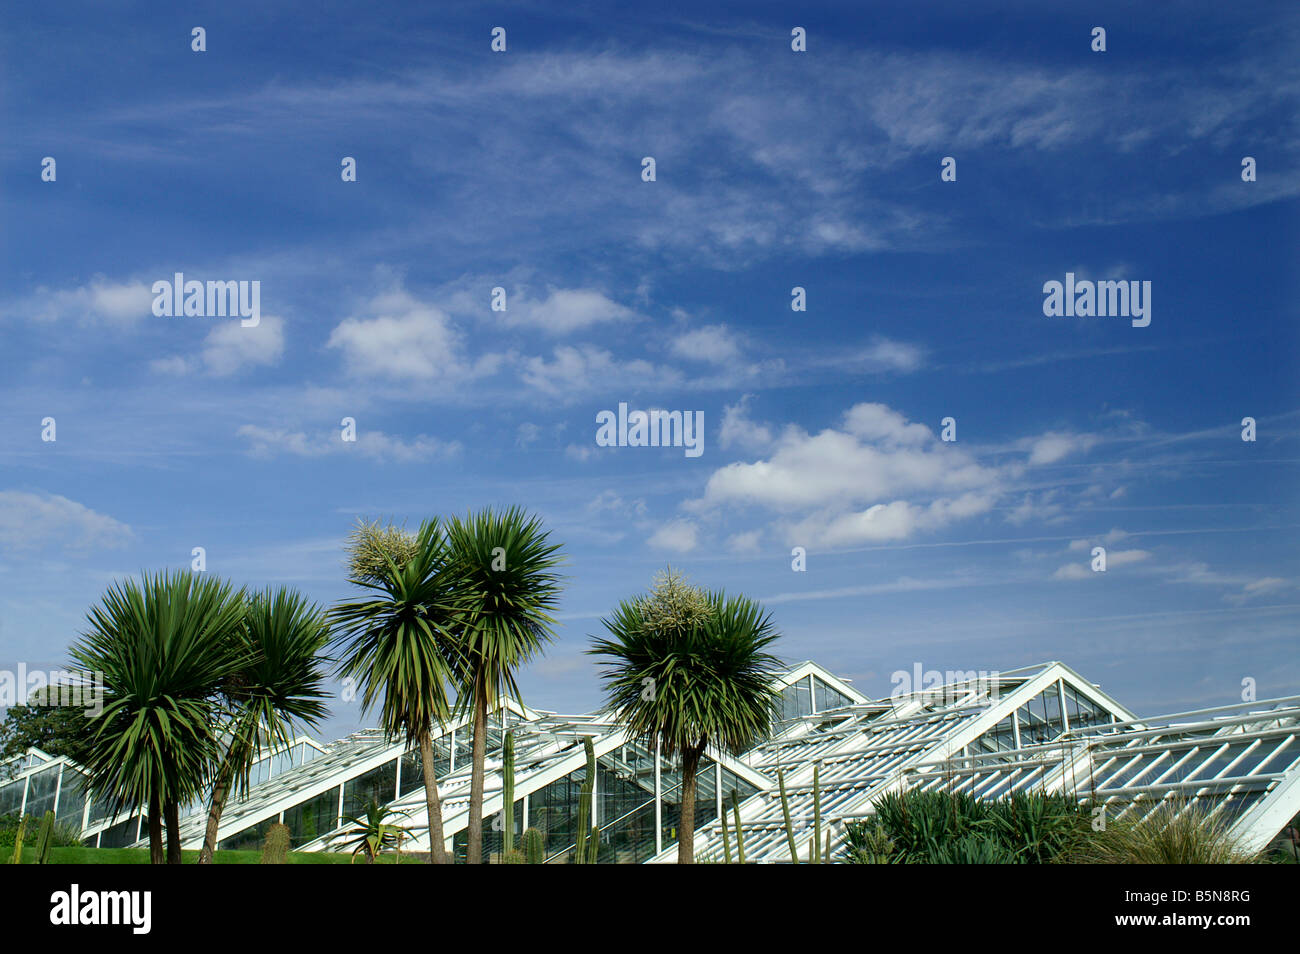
371	831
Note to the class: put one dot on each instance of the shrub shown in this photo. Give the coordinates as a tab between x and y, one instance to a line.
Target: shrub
919	827
1175	833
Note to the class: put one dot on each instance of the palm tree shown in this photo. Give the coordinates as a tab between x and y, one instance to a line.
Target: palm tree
399	647
690	670
162	648
502	565
281	685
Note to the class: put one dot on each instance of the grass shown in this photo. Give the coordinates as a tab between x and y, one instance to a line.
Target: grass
1174	834
81	855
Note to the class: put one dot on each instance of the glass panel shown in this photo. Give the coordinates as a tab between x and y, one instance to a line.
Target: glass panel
706	809
795	701
121	834
1000	738
554	811
379	783
1040	718
41	790
626	807
1083	713
250	839
72	798
312	818
828	698
493	842
11	796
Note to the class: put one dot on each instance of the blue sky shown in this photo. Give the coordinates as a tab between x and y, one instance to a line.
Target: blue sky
774	169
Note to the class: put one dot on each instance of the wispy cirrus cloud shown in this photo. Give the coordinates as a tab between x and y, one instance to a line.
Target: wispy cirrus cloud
372	444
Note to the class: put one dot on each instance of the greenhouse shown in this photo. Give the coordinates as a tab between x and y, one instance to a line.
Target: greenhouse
1043	728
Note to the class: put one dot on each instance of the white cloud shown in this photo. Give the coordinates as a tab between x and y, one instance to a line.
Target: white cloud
1257	588
1115	535
575	370
403	339
746	543
564	311
853	484
102	301
737	429
29	521
611	502
527	433
1043	508
877	457
716	344
174	365
230	347
268	441
679	536
580	452
1051	447
886	355
896	520
1114	558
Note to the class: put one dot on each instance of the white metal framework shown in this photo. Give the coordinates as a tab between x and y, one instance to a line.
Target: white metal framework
1043	728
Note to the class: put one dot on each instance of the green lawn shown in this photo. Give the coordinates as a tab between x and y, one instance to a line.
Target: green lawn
79	855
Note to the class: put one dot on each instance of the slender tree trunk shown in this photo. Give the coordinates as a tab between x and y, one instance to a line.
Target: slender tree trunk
686	830
474	848
172	815
155	830
433	807
220	791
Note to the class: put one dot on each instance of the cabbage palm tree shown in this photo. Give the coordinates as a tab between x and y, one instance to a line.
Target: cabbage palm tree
162	648
502	565
281	685
690	678
399	647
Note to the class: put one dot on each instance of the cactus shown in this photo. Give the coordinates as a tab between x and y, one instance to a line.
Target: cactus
826	854
726	840
513	857
43	839
785	811
593	846
18	842
276	849
534	847
815	856
585	814
508	796
740	834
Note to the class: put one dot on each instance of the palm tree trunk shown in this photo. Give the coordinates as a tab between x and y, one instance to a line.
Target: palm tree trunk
220	791
686	830
155	830
474	847
433	806
172	815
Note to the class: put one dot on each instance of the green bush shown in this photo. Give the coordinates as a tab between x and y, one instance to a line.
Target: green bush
61	836
919	827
